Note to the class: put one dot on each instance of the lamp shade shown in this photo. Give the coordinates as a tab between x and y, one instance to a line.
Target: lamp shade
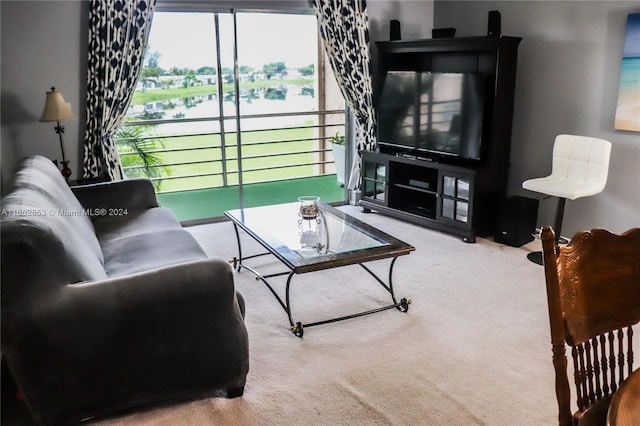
55	108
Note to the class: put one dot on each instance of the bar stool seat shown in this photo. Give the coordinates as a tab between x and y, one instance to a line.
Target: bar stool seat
579	168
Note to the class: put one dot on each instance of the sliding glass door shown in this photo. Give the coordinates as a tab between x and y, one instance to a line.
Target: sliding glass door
232	110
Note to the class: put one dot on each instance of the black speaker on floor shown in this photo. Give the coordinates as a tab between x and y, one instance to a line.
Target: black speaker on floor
517	222
494	24
394	30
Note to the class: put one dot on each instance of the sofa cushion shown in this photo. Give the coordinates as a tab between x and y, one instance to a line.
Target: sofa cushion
152	250
38	175
133	223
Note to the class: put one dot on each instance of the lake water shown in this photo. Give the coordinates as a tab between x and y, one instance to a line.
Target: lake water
278	100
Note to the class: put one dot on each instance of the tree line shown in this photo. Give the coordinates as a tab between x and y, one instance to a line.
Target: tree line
152	69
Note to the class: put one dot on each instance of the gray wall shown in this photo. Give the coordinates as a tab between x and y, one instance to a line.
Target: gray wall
567	82
42	45
415	18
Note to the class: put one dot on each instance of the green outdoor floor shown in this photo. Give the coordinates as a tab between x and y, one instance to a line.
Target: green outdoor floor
211	203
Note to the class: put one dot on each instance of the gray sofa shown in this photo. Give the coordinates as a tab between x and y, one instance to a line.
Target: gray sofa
108	303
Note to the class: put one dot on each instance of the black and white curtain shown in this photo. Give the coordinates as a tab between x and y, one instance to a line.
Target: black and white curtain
118	33
344	28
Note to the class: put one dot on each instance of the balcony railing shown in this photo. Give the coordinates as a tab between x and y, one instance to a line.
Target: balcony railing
201	153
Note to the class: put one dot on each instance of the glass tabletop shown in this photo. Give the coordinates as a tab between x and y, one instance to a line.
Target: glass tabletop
330	239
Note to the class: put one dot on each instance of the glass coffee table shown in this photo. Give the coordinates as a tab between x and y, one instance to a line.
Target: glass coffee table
328	238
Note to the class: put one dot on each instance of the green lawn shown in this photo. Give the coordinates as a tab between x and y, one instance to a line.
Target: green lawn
204	154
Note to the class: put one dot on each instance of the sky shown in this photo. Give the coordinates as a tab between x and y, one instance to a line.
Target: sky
188	39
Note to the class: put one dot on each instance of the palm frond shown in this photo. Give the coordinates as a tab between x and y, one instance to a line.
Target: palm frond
138	149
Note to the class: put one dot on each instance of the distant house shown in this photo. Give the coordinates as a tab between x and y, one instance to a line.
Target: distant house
148	83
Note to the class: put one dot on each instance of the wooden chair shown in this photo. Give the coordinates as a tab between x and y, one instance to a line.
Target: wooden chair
593	292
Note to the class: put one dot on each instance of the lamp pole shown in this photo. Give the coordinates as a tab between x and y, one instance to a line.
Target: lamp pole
66	171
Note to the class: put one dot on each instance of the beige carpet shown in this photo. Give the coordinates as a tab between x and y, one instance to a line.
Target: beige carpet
472	350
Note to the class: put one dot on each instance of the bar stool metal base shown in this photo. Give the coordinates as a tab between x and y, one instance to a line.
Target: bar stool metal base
535	257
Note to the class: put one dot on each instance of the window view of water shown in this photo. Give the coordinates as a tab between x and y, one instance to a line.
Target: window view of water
179	133
268	100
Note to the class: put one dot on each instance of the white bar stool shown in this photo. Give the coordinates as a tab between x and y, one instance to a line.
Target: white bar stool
579	168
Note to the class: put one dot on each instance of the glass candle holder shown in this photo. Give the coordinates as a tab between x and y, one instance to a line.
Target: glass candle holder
309	206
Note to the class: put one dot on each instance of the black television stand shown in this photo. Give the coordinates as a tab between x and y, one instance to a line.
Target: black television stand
414	157
448	194
440	196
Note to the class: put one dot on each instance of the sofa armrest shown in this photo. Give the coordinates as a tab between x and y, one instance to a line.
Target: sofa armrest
155	303
152	336
130	194
189	310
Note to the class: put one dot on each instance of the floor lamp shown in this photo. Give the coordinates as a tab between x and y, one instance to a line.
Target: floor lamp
56	109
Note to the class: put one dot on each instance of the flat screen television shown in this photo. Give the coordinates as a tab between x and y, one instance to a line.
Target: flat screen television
431	114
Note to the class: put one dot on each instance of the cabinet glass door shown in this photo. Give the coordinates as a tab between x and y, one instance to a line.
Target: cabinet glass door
375	180
455	198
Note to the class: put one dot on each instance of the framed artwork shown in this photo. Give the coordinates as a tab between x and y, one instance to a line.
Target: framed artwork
628	107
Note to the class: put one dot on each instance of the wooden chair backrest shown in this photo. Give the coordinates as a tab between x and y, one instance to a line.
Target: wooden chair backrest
593	292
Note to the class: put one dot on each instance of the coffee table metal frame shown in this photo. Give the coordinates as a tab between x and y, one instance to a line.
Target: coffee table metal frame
393	248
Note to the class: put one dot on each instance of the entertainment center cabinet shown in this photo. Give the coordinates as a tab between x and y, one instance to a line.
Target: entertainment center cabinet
458	195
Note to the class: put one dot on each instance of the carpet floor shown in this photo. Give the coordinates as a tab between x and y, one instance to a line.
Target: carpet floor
473	349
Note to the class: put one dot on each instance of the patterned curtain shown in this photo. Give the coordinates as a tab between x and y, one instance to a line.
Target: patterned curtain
118	33
344	28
